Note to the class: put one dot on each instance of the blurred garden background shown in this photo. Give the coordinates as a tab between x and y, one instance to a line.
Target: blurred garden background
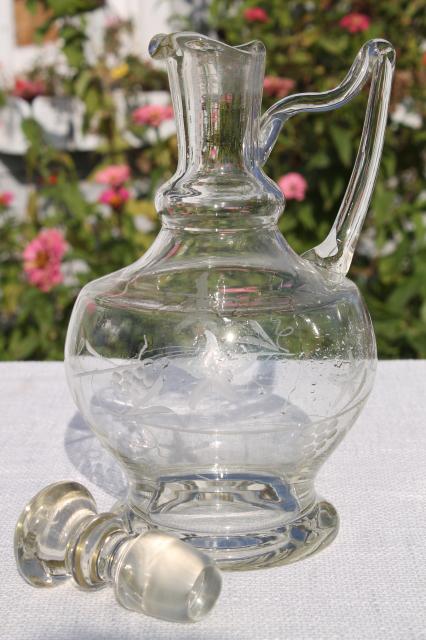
87	135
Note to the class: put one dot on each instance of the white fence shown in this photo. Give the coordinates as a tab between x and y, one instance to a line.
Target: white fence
149	17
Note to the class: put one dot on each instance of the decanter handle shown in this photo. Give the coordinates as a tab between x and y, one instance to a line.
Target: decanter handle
376	59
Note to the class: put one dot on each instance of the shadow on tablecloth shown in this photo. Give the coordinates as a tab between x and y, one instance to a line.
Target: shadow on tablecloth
89	457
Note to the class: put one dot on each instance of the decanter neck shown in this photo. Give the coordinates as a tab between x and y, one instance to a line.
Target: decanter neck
219	124
216	92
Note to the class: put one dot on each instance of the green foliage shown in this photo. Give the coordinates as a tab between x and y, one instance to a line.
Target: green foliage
63	8
100	241
306	43
100	238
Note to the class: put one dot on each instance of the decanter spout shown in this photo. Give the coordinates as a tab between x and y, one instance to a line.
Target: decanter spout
166	45
216	91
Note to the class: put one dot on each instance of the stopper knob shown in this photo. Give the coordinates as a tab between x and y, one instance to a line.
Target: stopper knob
163	577
60	535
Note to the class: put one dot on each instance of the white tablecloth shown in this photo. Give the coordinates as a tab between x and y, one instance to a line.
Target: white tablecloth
370	584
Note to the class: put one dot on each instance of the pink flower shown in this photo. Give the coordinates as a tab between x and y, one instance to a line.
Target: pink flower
113	22
355	22
6	198
277	87
115	197
293	185
255	14
114	175
42	259
152	115
28	89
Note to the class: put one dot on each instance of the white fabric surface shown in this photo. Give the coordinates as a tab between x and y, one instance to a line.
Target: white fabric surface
369	584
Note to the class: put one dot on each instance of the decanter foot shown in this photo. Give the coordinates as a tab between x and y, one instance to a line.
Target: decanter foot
313	530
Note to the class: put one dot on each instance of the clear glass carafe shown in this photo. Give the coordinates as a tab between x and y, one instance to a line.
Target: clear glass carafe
221	369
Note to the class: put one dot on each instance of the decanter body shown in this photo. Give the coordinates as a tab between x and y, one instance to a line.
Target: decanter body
221	369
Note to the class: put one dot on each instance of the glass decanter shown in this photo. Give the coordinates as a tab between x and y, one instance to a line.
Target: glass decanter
221	369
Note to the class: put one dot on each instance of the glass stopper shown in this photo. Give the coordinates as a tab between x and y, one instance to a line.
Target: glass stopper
60	535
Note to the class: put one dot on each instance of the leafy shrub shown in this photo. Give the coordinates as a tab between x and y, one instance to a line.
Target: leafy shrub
310	47
313	44
102	232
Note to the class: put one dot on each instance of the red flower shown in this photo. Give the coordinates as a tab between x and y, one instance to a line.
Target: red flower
28	89
293	185
113	175
277	87
255	14
355	22
42	259
115	197
152	115
6	198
